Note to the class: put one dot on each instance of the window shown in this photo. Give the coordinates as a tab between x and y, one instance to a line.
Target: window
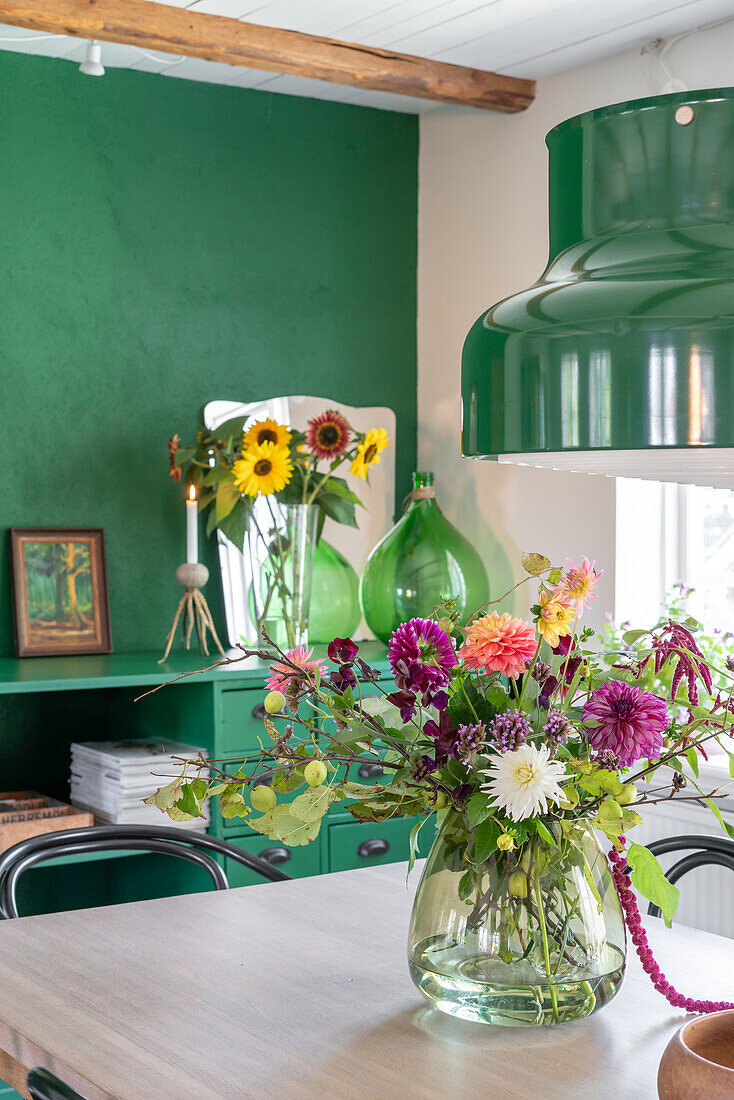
667	534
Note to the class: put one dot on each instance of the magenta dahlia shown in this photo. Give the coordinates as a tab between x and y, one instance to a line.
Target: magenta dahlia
628	721
421	656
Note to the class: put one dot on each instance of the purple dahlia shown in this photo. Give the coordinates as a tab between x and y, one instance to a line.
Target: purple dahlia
421	657
628	721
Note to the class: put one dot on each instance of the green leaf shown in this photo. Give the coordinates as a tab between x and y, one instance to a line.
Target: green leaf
313	803
165	797
188	802
233	526
478	809
339	487
692	758
649	879
229	429
413	852
728	829
227	496
485	840
466	885
545	834
535	564
337	508
631	636
232	804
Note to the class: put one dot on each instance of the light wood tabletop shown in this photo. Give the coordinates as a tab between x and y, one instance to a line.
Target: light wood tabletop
301	990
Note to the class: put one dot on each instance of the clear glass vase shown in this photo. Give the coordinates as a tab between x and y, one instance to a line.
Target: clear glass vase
529	937
421	560
279	544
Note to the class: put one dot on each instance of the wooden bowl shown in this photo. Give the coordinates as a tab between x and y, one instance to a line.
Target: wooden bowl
698	1063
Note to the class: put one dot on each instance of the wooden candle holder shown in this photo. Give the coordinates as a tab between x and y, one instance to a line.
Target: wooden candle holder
194	609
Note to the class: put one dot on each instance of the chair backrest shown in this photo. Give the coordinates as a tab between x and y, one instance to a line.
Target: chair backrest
197	848
43	1085
707	851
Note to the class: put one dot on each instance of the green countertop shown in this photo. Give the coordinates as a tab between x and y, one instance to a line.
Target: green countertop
34	674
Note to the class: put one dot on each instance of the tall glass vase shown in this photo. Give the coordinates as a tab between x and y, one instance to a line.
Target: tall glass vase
528	937
279	544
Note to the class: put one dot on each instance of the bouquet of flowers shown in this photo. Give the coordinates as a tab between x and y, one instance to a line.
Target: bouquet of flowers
269	490
231	468
525	744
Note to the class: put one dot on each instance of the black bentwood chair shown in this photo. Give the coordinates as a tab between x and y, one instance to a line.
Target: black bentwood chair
198	848
42	1085
706	851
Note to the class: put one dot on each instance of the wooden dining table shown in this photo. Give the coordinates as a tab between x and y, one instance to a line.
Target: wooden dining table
300	990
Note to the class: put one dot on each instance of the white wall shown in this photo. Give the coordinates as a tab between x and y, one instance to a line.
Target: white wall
483	235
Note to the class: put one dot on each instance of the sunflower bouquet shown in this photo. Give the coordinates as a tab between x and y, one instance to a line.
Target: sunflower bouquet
524	744
269	490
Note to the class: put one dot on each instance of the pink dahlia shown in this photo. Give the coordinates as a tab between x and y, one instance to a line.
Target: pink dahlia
421	656
578	583
499	643
282	676
328	435
629	722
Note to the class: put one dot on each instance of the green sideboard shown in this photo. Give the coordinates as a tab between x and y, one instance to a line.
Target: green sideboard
46	703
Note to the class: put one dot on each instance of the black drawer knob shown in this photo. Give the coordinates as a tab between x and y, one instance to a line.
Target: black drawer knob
375	846
370	771
259	712
274	856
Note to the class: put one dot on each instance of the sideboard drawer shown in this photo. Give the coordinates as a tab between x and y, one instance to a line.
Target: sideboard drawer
299	861
242	713
367	844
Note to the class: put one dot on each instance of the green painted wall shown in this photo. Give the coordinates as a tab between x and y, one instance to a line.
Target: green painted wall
164	243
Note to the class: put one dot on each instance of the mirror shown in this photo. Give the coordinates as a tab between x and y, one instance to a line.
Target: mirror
375	519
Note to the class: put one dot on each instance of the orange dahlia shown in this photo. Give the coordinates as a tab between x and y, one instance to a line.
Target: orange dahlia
499	643
328	435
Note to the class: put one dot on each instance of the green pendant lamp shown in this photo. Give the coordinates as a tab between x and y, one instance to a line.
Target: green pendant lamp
620	359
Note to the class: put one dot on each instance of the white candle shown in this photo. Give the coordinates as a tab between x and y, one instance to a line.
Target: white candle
192	528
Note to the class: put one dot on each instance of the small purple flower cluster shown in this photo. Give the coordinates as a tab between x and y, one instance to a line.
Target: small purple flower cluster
556	729
470	739
639	938
421	656
509	730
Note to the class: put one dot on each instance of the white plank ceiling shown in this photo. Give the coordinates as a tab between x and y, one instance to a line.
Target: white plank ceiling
529	38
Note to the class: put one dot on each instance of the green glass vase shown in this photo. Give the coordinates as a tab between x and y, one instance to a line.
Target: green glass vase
420	561
335	611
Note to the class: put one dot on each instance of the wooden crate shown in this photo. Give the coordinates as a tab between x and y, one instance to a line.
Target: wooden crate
27	813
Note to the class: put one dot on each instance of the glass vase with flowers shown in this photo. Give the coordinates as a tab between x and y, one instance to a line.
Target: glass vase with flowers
525	746
269	489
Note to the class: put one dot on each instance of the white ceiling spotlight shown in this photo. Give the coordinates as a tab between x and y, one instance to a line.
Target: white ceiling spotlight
92	63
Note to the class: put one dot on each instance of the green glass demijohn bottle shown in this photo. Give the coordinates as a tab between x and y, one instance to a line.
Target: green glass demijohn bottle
420	561
334	610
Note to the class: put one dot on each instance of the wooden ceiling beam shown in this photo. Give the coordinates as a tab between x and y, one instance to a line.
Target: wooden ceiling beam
153	26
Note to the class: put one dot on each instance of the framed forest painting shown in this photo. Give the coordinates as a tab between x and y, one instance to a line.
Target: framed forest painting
59	591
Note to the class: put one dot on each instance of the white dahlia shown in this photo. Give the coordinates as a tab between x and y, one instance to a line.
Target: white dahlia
525	780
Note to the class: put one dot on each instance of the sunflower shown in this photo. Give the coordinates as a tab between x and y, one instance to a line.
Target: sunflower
328	435
264	469
266	431
368	452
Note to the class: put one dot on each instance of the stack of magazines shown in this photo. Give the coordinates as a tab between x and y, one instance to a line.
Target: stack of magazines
111	779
